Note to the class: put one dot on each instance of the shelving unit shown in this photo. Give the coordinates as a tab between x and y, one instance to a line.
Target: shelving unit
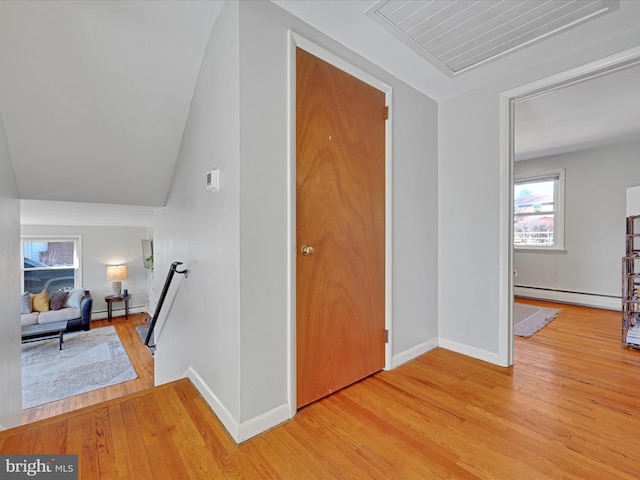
631	285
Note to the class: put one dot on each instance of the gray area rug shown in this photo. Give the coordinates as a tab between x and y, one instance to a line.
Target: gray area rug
528	319
89	361
143	330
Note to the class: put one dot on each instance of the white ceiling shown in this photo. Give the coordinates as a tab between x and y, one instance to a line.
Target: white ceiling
41	212
459	36
601	111
95	95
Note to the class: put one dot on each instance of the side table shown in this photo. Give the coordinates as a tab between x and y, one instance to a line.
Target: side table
110	299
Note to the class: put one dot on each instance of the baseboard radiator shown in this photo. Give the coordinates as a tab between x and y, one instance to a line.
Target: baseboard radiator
607	302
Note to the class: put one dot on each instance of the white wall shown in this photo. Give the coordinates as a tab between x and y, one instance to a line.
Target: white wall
595	196
200	320
633	200
10	367
228	321
103	246
415	224
474	193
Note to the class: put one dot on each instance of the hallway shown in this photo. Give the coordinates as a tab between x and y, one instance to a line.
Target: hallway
567	408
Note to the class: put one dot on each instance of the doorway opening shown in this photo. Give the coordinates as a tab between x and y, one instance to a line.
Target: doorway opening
509	100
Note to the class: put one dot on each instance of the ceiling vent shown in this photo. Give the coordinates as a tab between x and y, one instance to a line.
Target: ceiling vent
458	35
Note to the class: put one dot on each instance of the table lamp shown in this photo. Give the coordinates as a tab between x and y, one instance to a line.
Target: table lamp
117	273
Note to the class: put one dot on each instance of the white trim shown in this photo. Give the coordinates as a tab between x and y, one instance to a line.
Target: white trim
413	352
296	40
292	384
575	75
243	431
77	260
216	405
573	298
558	176
373	13
472	352
505	246
532	249
262	423
506	100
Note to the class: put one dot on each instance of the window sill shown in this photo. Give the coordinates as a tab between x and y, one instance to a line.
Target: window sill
554	251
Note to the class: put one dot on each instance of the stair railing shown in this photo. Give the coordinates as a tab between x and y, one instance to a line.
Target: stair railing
173	270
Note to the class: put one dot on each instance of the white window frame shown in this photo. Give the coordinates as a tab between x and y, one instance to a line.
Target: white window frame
77	258
558	176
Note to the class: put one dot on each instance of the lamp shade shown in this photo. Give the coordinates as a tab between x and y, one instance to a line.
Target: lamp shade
116	272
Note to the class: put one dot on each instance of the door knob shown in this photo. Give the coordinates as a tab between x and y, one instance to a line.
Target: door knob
307	250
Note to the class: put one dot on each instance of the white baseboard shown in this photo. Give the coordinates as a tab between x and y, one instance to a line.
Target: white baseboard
413	352
264	422
240	432
473	352
218	408
573	298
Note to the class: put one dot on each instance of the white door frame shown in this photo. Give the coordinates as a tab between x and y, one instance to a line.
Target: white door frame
508	99
296	40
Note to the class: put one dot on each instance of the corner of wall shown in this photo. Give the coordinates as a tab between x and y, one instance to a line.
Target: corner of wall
264	422
240	432
477	353
230	424
413	352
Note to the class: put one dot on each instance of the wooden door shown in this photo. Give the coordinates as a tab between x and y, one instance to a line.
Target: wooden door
340	214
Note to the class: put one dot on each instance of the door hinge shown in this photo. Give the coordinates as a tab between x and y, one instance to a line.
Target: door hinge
386	336
386	112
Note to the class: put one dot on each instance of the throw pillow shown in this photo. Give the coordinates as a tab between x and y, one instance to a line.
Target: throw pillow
40	301
74	298
26	303
57	300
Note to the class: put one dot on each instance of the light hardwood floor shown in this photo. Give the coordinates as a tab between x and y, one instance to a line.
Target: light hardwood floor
568	409
141	360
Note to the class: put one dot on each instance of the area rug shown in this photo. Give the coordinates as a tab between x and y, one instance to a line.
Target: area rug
143	330
528	319
89	361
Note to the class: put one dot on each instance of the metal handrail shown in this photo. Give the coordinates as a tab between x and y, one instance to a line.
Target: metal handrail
173	269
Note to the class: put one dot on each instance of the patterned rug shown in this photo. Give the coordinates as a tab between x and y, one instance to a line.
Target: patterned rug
143	331
528	319
88	361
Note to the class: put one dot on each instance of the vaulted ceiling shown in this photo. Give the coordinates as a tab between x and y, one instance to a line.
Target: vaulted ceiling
95	95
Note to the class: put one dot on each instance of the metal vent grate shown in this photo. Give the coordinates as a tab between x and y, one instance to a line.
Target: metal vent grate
457	35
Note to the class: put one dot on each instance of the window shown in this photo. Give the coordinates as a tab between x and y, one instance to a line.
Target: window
50	264
538	215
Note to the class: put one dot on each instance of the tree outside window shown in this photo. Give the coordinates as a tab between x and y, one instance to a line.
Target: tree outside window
538	211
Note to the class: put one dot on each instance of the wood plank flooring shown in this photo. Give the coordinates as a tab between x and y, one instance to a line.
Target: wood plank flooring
568	409
141	360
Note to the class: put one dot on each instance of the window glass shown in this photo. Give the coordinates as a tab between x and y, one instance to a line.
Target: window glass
49	265
537	216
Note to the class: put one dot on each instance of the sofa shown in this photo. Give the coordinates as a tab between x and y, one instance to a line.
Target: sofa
73	306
